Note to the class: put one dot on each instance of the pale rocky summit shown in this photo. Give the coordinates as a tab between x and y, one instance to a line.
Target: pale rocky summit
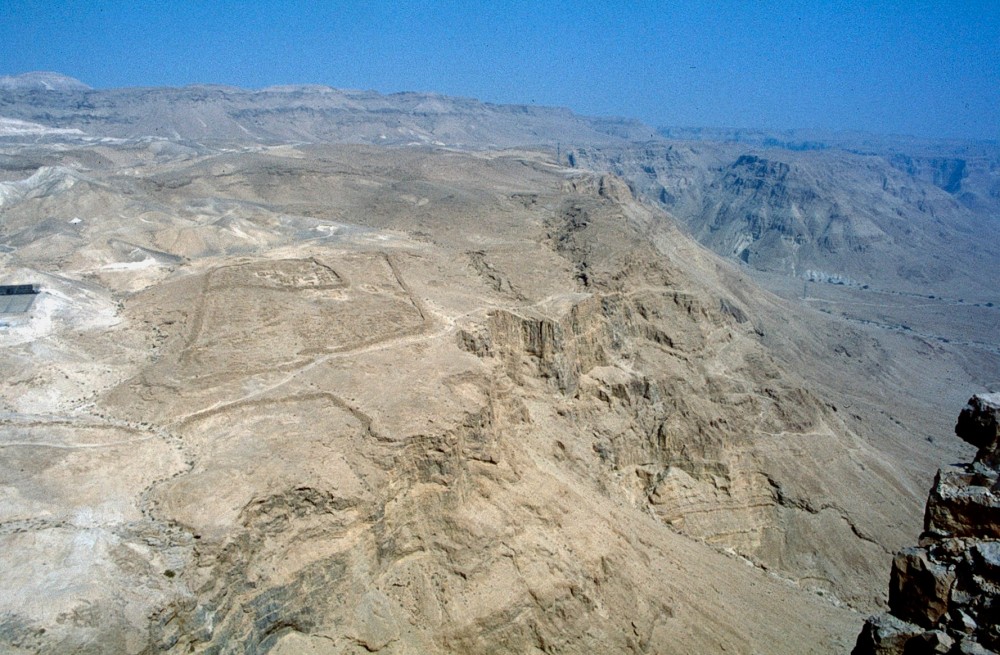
944	596
41	81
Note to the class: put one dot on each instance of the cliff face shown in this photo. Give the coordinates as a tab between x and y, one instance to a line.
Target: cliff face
838	216
944	595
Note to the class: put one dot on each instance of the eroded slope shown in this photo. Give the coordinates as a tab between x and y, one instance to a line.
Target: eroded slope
347	400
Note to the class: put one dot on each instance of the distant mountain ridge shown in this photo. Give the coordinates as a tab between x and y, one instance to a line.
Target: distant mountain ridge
41	81
965	169
300	113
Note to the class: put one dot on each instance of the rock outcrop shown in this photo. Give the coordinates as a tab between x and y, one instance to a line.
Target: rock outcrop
944	595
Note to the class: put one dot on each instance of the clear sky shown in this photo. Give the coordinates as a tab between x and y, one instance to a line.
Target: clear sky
906	67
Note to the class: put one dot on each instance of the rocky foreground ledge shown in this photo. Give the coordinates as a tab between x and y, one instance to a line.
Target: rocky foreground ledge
944	595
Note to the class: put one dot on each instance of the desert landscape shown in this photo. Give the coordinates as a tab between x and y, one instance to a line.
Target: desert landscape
325	371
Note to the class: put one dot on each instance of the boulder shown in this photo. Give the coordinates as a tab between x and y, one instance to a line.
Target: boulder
979	424
885	635
964	503
919	587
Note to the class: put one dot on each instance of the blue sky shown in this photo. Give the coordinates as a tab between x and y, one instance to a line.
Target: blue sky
922	68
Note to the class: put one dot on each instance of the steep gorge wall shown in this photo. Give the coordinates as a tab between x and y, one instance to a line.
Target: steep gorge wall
689	417
856	218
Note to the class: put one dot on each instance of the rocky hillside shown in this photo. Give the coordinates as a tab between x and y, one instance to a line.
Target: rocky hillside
894	213
944	596
416	401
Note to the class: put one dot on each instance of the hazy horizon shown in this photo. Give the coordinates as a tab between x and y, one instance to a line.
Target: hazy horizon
921	70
